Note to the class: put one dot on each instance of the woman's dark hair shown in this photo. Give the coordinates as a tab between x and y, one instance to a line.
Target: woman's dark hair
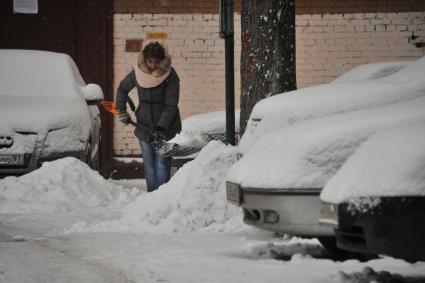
154	50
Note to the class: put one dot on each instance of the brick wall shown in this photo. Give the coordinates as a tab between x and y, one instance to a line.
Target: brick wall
327	44
197	54
322	7
169	6
302	6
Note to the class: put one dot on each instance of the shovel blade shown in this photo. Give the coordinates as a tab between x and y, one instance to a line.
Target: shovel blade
109	106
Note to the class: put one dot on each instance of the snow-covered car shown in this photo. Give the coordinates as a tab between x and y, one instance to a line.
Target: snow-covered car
296	141
197	131
47	111
376	201
278	182
363	87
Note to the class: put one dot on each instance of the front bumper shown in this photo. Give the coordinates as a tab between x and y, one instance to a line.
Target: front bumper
394	227
33	162
285	211
27	151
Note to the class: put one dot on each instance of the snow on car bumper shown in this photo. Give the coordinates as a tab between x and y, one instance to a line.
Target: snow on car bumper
27	153
294	212
393	227
28	150
31	162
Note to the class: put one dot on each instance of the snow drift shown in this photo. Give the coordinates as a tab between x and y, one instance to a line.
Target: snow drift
194	199
62	185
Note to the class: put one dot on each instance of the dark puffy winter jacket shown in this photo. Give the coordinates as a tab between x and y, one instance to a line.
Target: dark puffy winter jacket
158	106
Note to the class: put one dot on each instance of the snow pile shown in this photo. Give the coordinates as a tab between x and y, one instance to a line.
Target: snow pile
285	249
368	275
62	185
194	199
334	98
390	163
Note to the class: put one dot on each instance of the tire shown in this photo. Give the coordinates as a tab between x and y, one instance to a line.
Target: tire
95	162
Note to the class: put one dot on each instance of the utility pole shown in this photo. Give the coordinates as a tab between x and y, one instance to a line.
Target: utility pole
227	32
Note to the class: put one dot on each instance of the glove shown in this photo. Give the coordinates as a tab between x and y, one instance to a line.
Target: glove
123	117
158	139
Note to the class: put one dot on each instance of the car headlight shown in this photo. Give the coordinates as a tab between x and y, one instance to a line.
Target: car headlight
329	215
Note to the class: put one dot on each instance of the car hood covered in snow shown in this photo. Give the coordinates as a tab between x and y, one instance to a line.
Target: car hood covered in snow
42	114
334	98
390	163
59	123
307	154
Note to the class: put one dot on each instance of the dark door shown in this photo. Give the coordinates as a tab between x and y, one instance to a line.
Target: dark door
53	28
80	28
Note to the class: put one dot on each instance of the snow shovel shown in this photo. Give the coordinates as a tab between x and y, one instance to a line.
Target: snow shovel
166	149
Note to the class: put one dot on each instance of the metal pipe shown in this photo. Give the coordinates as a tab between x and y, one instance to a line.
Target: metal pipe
230	89
227	32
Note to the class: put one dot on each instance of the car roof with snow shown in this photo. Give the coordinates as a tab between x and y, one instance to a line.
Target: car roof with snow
306	154
389	163
333	98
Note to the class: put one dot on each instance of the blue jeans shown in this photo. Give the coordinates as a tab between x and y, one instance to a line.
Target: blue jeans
156	167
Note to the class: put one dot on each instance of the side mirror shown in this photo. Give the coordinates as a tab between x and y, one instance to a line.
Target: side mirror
92	92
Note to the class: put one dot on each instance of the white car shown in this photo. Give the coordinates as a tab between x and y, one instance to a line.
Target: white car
283	170
47	111
278	182
376	201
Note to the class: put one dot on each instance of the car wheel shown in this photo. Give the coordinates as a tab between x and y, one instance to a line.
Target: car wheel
94	163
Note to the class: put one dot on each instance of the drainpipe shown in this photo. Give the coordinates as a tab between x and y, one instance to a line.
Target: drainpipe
227	32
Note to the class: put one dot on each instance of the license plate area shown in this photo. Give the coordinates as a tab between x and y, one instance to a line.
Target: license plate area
233	193
7	160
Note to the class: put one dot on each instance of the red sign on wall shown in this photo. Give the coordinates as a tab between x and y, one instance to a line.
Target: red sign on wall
133	45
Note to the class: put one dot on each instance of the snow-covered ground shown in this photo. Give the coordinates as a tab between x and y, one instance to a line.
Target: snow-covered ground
65	223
